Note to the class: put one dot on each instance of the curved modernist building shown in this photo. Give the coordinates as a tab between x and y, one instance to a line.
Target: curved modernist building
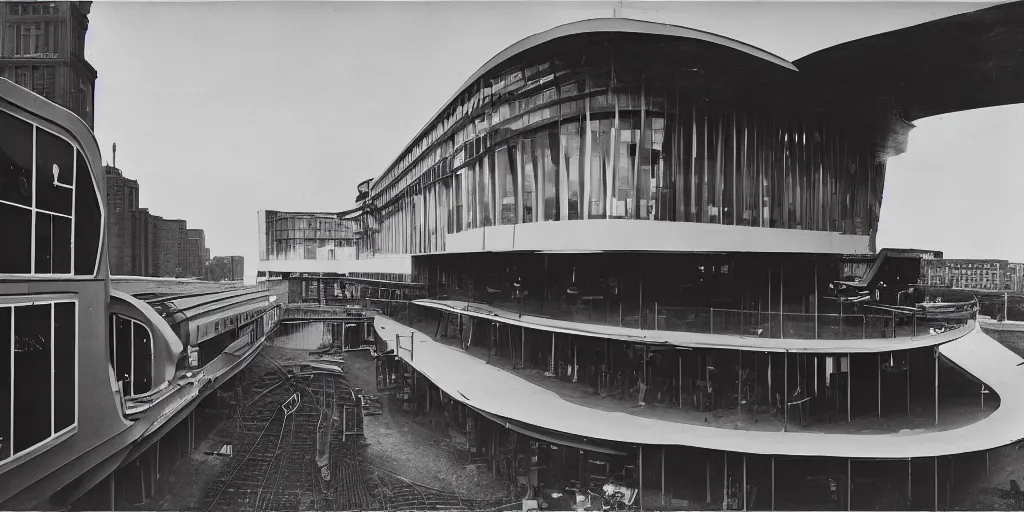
646	256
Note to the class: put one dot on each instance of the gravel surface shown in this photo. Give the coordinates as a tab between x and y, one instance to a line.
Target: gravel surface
400	442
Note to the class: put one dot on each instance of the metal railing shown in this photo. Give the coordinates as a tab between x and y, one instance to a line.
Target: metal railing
864	322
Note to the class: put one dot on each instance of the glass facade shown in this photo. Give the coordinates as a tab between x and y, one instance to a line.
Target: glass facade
310	236
575	135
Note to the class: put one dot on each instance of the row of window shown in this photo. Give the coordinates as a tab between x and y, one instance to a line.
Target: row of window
32	8
50	211
478	96
38	373
696	165
37	39
313	250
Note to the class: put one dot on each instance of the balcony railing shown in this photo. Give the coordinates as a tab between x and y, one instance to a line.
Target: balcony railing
863	322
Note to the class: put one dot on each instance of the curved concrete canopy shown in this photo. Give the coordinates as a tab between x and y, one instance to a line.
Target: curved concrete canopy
593	26
962	62
501	393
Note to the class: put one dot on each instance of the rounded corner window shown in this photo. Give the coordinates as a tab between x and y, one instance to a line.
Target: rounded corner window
50	211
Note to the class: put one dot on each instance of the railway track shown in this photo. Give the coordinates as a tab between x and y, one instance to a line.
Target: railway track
274	467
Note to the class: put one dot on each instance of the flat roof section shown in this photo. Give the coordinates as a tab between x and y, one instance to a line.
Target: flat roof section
693	339
500	393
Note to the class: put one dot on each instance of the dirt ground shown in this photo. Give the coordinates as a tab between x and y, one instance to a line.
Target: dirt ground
396	442
404	444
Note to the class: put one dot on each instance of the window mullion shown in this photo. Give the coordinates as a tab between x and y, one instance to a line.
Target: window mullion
53	422
32	238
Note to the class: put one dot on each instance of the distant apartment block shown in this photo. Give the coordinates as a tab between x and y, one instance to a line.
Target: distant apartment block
196	264
122	201
973	274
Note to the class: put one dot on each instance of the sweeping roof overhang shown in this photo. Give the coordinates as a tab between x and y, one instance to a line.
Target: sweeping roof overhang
961	62
968	61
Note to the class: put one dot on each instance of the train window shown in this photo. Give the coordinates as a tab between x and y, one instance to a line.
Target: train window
132	355
41	352
59	189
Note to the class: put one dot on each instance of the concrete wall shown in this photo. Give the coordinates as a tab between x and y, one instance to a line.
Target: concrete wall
643	235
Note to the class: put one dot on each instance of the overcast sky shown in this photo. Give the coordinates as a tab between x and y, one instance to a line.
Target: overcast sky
223	109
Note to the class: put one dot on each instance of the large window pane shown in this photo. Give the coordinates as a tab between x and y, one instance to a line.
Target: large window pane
459	207
142	358
87	220
505	181
15	160
600	165
16	231
625	165
529	180
32	391
472	206
545	160
645	180
64	365
123	353
54	173
486	192
573	153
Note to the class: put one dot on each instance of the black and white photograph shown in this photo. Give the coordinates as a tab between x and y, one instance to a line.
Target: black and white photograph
512	255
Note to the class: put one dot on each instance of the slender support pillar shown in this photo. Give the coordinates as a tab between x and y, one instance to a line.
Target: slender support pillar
522	351
773	483
936	483
849	485
707	467
986	463
910	481
782	301
879	384
745	482
725	482
739	387
680	380
785	392
113	493
640	472
849	386
815	298
936	387
551	366
909	413
663	475
575	367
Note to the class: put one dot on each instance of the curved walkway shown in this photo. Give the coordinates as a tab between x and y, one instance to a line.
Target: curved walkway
495	391
695	339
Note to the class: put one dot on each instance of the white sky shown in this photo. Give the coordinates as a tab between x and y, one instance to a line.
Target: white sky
223	109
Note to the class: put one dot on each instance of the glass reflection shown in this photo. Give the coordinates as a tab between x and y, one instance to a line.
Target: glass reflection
595	142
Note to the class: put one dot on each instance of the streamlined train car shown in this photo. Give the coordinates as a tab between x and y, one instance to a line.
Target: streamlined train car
89	377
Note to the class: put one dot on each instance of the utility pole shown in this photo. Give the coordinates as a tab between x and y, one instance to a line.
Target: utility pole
1006	303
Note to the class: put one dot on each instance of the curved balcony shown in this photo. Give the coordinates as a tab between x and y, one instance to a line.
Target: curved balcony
510	394
735	329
